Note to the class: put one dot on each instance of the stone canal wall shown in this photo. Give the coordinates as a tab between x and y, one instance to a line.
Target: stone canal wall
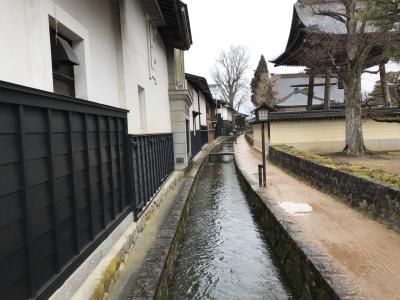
309	272
156	273
379	201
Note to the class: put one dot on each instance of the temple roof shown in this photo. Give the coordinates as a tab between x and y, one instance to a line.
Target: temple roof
306	19
295	41
312	21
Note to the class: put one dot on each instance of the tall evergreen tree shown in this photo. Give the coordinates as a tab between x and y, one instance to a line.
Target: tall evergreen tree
262	85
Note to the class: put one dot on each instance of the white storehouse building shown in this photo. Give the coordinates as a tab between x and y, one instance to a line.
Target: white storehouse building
76	168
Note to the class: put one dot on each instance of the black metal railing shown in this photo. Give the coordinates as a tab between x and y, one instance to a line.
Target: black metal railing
151	163
62	186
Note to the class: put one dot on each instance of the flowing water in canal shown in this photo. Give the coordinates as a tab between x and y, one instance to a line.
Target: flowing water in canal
224	253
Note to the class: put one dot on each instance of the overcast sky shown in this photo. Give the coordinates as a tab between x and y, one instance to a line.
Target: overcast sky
262	26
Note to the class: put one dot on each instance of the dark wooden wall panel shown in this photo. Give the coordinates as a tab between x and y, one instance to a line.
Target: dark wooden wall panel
62	186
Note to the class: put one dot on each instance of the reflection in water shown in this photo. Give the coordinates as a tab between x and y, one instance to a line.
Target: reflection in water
224	254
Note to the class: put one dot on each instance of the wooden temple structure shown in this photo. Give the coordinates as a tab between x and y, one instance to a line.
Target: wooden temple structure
311	32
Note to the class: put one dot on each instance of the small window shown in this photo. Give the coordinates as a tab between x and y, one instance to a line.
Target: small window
142	108
63	61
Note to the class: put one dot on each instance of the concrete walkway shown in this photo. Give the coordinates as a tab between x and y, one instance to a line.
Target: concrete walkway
365	251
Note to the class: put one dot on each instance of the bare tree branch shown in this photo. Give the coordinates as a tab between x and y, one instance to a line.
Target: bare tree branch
229	73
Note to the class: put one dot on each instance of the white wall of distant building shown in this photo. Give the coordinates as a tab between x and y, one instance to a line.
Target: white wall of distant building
284	86
194	123
199	105
203	110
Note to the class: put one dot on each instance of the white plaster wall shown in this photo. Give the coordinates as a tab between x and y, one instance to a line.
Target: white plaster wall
329	135
137	72
110	70
229	115
15	60
203	110
26	57
99	19
224	113
199	105
193	107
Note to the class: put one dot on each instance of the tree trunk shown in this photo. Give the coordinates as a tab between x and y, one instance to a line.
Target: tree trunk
384	86
327	94
354	135
310	91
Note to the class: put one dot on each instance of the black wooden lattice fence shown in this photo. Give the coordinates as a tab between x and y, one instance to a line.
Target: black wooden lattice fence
198	140
152	162
204	135
62	186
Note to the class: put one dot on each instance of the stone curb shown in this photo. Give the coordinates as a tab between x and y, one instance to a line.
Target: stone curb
311	272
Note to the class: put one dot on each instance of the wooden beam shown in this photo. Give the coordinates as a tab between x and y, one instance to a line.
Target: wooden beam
315	84
310	91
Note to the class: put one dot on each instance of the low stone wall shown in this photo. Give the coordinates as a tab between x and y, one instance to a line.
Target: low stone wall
378	200
249	138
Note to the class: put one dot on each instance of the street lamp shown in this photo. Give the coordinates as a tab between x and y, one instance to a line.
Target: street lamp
262	117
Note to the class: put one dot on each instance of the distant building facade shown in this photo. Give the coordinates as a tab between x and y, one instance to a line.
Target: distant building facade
292	92
202	113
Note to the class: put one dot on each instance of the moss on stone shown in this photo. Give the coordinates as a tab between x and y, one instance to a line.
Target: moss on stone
368	173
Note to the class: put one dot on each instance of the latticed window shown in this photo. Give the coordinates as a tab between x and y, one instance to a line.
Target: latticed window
63	61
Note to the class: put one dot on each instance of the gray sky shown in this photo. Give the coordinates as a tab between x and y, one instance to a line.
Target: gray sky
262	26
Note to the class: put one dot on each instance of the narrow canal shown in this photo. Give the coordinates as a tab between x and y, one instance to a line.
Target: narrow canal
224	254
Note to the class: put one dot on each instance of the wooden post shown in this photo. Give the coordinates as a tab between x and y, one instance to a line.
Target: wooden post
327	95
384	86
260	176
310	91
263	154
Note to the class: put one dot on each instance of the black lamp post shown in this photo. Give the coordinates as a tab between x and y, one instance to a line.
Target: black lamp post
262	117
